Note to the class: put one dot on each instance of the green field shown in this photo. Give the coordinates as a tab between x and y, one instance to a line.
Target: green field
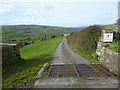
34	56
23	33
31	30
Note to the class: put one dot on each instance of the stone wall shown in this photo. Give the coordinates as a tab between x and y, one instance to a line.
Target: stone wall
107	57
10	53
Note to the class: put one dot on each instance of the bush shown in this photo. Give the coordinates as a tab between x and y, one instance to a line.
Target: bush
86	38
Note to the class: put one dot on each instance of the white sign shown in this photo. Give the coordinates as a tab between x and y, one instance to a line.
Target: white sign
107	35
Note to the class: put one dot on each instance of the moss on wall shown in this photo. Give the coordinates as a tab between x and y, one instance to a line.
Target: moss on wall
10	53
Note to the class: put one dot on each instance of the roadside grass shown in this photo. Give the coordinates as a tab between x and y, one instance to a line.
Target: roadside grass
114	46
85	53
34	56
88	55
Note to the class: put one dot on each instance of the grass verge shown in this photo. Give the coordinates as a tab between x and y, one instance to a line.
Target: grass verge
114	46
34	56
85	53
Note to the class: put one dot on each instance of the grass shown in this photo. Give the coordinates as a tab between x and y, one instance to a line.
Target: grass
88	55
34	56
23	38
109	27
41	49
25	30
21	33
85	53
114	46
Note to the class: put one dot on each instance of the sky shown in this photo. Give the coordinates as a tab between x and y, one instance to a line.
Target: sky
65	13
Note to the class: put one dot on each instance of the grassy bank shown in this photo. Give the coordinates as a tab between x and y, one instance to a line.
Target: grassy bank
34	56
114	46
84	42
84	53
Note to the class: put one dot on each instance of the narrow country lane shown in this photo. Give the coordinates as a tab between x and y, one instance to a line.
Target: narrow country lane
69	70
64	55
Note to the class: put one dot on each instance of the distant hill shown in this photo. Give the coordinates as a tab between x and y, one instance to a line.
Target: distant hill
27	30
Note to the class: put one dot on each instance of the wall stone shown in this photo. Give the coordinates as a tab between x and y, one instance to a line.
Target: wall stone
10	53
107	57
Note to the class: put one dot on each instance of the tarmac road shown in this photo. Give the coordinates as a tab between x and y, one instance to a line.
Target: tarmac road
64	55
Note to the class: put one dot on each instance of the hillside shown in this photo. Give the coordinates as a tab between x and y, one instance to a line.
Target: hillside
22	30
21	33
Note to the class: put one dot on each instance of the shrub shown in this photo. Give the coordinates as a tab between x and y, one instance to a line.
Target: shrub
86	38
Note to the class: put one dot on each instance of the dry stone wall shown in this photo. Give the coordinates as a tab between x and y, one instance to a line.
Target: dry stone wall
10	53
108	58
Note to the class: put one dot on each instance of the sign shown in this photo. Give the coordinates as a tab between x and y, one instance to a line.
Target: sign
108	35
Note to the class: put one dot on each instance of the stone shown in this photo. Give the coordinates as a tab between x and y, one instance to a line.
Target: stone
10	53
94	55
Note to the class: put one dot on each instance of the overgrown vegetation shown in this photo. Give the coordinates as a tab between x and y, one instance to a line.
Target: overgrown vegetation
84	42
34	56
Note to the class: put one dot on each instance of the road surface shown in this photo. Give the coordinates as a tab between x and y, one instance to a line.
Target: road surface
64	55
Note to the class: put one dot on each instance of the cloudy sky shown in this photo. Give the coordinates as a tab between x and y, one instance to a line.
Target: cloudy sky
66	13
